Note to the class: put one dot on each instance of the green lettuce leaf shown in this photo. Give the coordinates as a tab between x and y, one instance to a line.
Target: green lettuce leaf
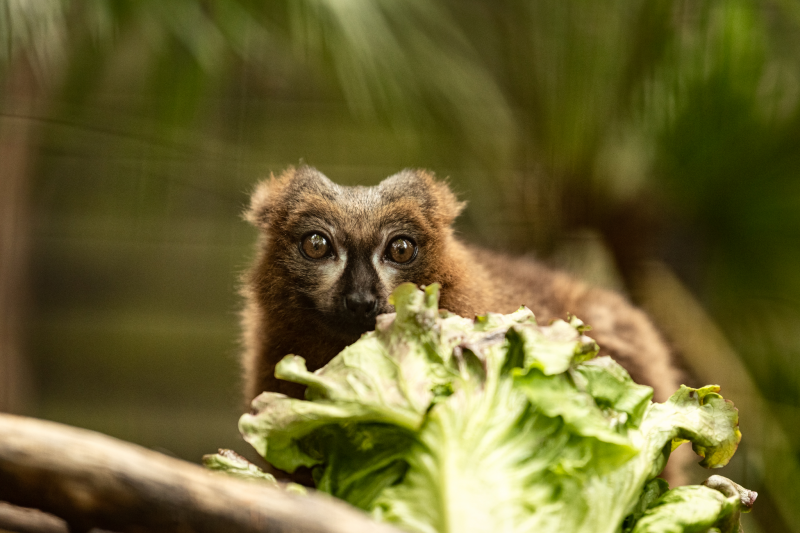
233	463
714	506
438	423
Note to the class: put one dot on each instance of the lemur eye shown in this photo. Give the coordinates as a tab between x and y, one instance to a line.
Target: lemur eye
315	246
401	250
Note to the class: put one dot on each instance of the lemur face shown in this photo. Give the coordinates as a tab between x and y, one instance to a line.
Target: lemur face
340	251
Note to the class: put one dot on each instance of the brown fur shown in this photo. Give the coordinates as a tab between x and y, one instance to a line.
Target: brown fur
293	303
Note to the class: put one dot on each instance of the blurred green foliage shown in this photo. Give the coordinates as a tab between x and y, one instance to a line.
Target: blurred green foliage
663	129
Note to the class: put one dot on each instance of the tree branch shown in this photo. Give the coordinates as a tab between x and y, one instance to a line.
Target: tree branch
22	520
92	480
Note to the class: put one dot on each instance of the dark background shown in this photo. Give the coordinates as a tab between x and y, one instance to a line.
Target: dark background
646	145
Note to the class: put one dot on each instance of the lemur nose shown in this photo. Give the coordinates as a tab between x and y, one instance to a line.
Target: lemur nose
361	304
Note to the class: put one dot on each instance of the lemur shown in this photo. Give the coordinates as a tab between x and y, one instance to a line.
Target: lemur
329	256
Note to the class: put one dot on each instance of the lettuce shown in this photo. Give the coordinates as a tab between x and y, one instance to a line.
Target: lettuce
437	423
236	465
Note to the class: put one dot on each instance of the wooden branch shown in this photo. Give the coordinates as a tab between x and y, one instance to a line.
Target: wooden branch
22	520
92	480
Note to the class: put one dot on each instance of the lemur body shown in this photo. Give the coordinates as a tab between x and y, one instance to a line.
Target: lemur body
329	256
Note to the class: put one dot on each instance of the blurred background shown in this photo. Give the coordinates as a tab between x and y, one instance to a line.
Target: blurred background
651	146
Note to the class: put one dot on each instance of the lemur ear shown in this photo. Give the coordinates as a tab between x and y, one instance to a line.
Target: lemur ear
270	195
448	206
262	200
435	197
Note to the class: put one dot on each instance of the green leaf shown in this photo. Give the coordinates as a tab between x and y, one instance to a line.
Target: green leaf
553	348
233	463
652	491
700	416
557	397
613	388
698	509
440	424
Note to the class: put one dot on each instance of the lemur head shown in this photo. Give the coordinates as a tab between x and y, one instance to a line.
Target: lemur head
335	253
